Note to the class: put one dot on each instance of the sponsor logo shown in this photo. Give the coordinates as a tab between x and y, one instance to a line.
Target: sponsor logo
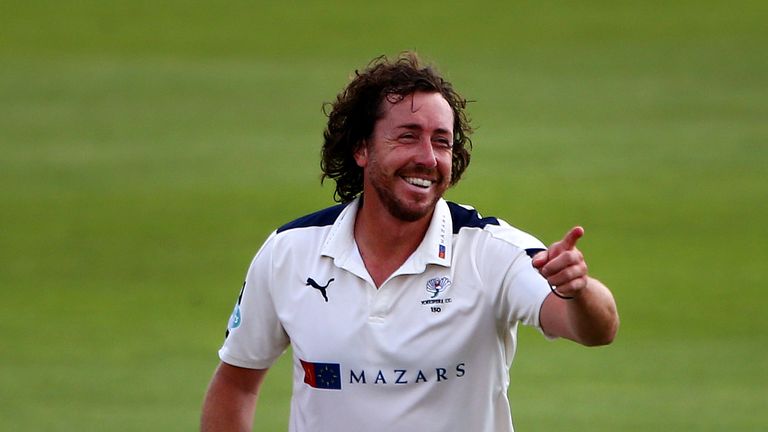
322	288
441	246
328	376
235	319
406	376
322	375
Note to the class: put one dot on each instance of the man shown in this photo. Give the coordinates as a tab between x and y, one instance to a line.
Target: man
401	308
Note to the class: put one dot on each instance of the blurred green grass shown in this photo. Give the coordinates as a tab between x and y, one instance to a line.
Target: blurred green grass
148	148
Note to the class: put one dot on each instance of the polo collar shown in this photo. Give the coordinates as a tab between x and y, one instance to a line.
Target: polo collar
435	248
340	243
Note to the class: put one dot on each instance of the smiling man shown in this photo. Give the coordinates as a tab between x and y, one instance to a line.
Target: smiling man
407	167
408	156
401	308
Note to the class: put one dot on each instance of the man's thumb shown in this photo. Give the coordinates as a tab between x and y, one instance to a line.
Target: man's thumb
540	259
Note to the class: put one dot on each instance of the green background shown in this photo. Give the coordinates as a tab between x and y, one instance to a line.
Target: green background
147	148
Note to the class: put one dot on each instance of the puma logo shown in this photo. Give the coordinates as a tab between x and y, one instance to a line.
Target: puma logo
311	282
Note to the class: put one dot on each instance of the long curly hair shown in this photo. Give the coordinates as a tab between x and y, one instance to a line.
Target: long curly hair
357	108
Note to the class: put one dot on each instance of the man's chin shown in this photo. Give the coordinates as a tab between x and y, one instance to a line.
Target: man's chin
407	215
408	206
412	212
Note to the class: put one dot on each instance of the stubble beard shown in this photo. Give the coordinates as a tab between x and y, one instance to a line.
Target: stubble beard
396	206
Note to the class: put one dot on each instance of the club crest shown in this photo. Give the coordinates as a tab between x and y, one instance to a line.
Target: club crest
435	286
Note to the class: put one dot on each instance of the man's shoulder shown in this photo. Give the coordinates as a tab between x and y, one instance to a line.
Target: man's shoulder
320	218
466	219
464	216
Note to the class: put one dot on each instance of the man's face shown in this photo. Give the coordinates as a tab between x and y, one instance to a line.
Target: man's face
407	161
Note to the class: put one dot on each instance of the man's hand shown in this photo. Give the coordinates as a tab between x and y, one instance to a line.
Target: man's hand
563	266
586	311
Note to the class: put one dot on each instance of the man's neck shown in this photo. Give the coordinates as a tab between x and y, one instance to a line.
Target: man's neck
384	241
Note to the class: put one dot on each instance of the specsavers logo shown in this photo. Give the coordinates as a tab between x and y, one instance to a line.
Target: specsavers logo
235	319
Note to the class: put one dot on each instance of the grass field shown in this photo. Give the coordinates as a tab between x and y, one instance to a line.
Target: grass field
148	148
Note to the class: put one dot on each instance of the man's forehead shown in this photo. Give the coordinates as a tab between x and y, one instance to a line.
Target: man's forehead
413	103
415	99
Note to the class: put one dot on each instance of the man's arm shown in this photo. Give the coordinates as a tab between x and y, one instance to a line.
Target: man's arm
231	399
589	317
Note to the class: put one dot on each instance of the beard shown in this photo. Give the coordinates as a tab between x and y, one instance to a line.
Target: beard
400	207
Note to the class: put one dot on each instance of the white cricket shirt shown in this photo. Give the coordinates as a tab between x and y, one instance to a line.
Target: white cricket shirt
429	350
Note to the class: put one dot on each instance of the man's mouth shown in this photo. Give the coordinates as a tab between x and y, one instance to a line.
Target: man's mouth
419	182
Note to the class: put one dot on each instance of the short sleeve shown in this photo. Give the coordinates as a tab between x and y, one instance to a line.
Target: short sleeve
524	292
255	336
523	289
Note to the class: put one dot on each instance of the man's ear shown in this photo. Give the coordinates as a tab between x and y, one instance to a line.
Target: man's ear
361	154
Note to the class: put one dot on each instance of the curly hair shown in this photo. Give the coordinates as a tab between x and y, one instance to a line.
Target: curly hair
359	106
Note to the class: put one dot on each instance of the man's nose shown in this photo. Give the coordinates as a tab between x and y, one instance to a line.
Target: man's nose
426	153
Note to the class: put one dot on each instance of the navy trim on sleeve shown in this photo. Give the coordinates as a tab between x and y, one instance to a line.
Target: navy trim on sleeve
533	251
319	218
468	218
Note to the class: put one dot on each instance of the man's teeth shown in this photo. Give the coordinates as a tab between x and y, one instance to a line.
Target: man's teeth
418	182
